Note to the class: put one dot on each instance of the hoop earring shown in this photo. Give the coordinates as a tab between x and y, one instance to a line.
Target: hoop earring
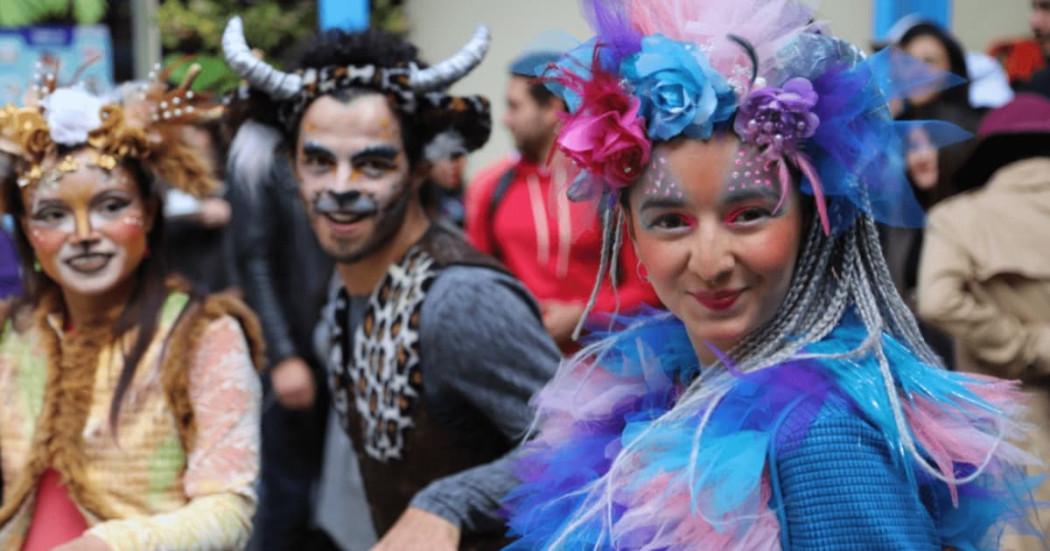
643	274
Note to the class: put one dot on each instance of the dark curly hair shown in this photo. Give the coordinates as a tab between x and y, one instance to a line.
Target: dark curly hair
434	113
368	47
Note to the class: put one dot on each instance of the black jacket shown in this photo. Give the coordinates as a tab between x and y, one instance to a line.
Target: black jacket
282	270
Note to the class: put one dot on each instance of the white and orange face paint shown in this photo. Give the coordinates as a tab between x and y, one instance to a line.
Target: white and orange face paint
88	227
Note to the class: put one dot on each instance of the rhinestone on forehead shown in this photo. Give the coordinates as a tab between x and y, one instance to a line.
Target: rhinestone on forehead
663	183
750	170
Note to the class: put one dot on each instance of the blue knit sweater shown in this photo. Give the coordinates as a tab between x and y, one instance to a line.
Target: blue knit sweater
840	489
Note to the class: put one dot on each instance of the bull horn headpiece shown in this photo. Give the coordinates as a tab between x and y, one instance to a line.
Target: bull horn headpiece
277	84
456	67
281	86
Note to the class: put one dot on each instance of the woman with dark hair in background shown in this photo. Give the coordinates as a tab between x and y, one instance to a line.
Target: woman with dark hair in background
931	171
937	48
131	412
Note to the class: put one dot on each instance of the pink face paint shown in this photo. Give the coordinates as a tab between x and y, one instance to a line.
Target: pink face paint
132	220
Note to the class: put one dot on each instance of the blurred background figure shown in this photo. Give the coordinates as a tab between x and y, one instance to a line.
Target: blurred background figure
10	285
985	274
989	83
284	276
1040	20
1025	59
936	47
10	278
196	242
443	192
518	212
930	170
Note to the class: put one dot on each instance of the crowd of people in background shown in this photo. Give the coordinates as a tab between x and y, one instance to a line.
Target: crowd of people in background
977	277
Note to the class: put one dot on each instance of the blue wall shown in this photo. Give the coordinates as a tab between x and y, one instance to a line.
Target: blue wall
350	15
887	12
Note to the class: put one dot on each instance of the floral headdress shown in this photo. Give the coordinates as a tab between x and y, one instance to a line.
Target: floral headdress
806	101
799	100
144	128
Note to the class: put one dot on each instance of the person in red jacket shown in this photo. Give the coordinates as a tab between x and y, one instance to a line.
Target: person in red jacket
516	213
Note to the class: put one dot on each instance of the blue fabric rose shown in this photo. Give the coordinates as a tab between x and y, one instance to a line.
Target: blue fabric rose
681	93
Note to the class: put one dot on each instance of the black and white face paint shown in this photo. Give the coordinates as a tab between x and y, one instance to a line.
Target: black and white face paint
354	174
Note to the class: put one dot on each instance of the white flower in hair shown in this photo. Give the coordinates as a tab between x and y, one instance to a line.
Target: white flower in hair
72	113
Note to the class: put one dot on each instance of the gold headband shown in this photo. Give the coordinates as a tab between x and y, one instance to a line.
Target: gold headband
151	137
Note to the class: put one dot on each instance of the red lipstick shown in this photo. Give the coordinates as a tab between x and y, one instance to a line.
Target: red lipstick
717	300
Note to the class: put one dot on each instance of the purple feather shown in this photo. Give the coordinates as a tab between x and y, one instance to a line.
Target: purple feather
614	30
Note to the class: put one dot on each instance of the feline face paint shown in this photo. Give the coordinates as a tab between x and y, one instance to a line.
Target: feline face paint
88	226
719	252
353	173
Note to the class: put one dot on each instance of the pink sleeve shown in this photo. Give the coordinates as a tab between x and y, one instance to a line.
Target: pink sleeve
226	395
223	462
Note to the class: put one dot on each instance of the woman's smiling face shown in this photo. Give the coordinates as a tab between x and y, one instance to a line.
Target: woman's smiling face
718	241
87	226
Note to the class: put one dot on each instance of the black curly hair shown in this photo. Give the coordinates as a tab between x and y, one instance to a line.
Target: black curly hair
336	47
469	116
368	47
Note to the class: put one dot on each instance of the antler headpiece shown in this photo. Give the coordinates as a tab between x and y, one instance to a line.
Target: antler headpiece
146	129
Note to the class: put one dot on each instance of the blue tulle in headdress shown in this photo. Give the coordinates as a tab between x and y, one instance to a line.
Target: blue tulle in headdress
852	154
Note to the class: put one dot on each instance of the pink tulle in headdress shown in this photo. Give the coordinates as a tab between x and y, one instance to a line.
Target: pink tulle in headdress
766	24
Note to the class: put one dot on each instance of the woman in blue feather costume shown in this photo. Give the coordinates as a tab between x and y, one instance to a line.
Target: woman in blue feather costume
787	399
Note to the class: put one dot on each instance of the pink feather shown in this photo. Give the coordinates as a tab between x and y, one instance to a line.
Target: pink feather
802	162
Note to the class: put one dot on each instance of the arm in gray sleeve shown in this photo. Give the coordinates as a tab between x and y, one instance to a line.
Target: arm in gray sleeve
495	353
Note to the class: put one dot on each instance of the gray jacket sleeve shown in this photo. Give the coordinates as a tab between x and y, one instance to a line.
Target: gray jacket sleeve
495	354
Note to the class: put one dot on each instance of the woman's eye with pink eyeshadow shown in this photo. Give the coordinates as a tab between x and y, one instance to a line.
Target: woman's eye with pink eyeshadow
748	215
670	222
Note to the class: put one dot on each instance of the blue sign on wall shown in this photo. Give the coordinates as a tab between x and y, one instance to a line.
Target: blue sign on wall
66	47
349	15
888	12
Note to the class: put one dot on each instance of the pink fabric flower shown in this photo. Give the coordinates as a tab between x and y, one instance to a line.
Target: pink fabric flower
607	136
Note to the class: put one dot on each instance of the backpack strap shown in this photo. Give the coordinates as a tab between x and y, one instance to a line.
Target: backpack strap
495	199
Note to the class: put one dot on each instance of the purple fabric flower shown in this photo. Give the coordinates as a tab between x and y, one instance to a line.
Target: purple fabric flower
778	119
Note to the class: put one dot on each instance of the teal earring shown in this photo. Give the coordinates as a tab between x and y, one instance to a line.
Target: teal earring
36	266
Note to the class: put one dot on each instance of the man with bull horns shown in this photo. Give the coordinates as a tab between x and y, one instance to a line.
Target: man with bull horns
435	350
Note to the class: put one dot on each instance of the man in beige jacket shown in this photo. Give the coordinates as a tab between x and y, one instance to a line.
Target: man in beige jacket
984	277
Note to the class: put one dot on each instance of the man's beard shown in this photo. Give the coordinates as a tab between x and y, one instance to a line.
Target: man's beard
388	221
1044	42
532	147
